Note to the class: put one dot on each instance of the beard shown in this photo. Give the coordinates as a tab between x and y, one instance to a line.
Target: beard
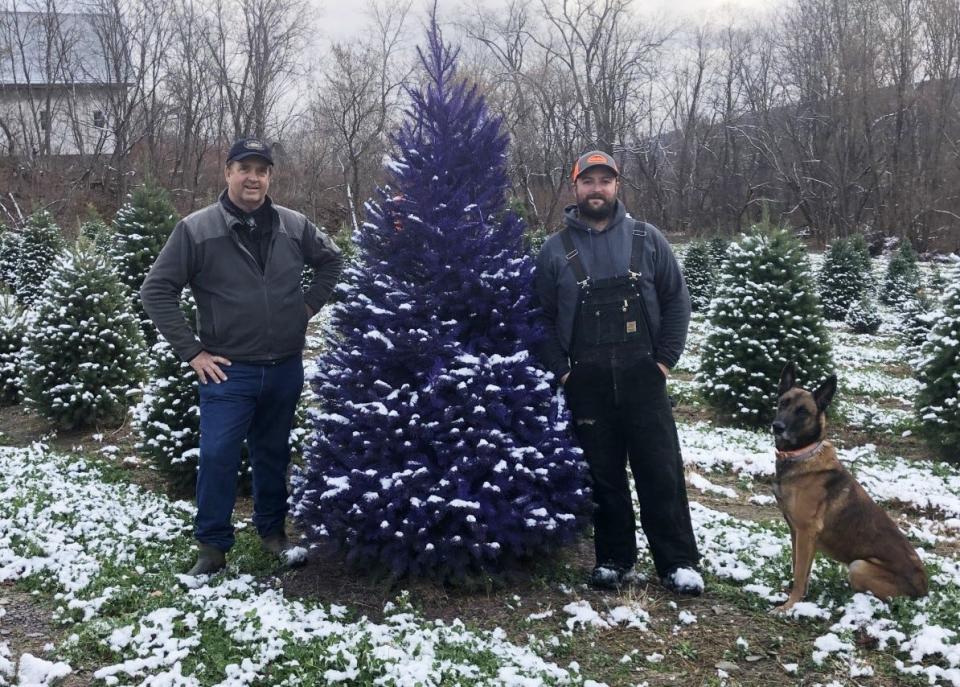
602	211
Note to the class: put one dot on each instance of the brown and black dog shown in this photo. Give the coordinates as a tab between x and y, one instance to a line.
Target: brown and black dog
827	509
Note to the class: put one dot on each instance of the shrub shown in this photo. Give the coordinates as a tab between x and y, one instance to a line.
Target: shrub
700	274
13	331
862	316
843	279
764	315
140	229
938	403
41	244
902	279
83	353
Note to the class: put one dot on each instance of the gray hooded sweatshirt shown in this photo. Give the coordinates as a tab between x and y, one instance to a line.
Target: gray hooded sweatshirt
607	254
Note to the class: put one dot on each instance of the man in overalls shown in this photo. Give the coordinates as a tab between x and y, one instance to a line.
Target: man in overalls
617	311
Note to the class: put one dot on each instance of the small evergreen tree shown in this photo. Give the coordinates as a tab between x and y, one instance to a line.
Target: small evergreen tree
438	451
843	280
938	402
918	314
83	353
13	331
861	249
41	244
167	418
718	251
700	274
140	229
10	241
902	279
862	316
764	315
98	233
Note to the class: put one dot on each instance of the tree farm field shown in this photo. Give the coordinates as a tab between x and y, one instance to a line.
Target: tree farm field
92	549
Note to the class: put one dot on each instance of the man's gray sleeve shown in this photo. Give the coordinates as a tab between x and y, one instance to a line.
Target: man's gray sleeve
326	259
161	292
674	304
550	350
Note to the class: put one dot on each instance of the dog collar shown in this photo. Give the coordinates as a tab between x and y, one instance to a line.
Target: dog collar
801	453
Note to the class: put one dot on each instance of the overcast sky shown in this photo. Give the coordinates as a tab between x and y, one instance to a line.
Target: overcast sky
338	18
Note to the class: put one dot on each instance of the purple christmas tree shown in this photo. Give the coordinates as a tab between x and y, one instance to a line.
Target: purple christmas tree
440	450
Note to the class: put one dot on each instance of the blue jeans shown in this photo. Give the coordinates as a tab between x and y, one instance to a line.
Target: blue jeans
256	403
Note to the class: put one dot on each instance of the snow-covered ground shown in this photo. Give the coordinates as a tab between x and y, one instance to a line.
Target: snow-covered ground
78	533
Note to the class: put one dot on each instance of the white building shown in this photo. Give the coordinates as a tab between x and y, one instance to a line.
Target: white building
55	85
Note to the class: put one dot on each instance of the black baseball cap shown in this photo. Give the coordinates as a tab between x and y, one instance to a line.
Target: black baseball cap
243	148
594	158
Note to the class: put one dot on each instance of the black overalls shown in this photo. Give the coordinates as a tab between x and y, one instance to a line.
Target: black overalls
620	407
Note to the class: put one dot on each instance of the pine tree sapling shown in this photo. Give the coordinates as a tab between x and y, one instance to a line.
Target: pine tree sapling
13	331
41	243
902	279
699	271
82	356
438	449
842	279
938	402
862	316
764	315
167	419
718	251
140	229
861	250
10	241
98	233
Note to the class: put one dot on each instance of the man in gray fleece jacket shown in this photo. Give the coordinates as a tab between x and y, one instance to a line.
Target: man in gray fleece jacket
617	310
243	258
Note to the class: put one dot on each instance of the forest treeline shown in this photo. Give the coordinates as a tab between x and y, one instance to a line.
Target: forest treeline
834	116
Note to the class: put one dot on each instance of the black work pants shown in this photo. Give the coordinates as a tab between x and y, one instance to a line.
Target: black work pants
622	412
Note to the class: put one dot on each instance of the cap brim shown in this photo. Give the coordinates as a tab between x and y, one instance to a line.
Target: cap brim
594	166
244	156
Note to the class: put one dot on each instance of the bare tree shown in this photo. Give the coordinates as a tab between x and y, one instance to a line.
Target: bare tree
191	93
357	96
132	37
256	47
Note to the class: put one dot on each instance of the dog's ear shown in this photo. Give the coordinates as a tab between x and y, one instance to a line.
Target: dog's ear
788	379
824	394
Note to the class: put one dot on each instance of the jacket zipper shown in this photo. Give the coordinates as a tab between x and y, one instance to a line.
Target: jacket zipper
263	280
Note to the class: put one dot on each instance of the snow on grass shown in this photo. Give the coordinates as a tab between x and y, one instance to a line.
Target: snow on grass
929	487
107	549
62	524
726	449
582	615
870	417
702	484
757	557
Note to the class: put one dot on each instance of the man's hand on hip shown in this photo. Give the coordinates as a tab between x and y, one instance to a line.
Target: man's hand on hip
207	367
664	369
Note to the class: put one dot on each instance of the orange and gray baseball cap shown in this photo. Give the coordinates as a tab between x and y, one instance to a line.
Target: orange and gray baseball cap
595	158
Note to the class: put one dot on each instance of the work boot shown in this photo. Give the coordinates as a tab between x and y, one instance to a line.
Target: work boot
683	581
278	544
209	560
611	576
